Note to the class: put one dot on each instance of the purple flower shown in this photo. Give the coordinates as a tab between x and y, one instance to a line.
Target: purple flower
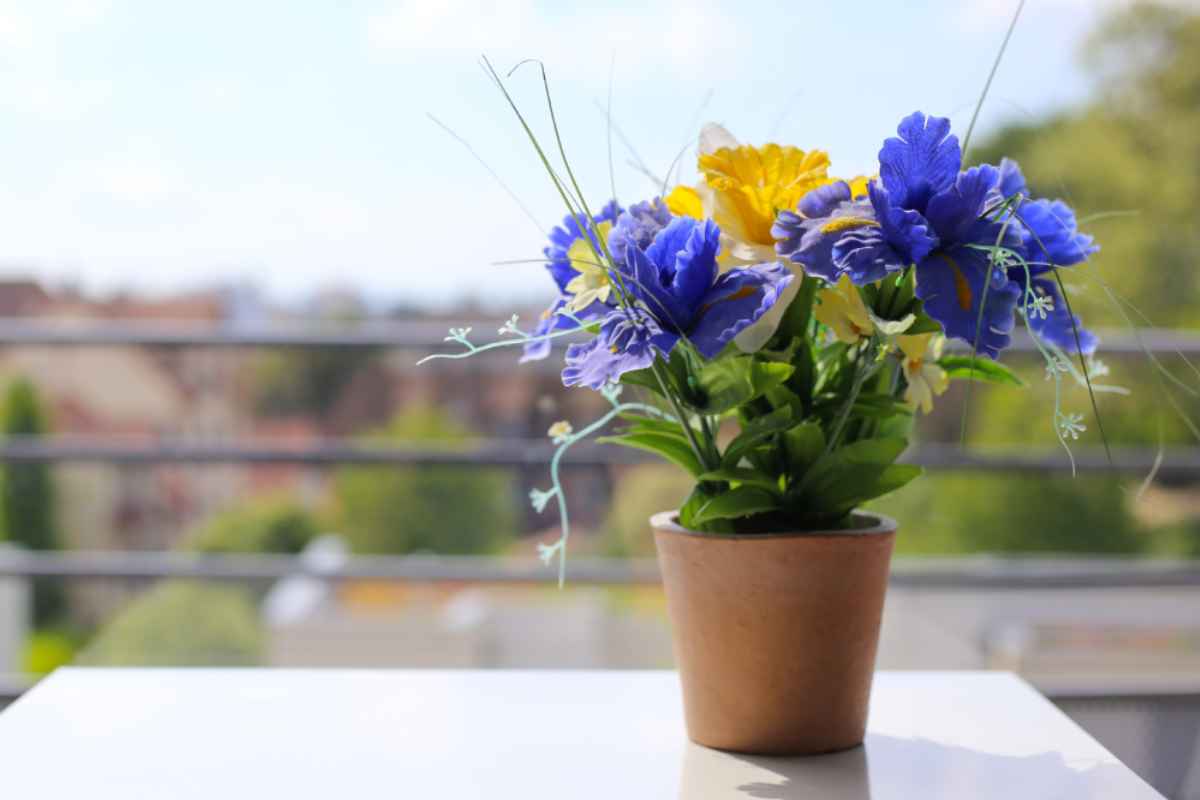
677	292
677	280
558	264
628	340
638	227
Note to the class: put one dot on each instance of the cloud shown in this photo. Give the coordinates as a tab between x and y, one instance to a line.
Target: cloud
684	36
33	38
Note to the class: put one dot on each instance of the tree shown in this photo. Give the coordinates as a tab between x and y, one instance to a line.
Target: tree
272	525
1128	162
435	509
181	624
27	498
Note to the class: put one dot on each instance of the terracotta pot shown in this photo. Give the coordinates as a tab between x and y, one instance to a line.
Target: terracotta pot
775	635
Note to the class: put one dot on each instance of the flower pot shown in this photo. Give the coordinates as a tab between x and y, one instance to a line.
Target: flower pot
775	635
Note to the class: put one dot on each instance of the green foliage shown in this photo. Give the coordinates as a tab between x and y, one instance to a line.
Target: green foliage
840	480
27	498
729	383
1129	164
437	509
671	445
46	651
1129	158
979	369
181	624
973	513
305	381
272	525
309	381
816	420
642	491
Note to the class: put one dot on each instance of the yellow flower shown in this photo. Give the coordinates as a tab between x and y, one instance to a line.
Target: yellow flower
842	309
559	431
592	283
750	185
744	187
684	201
925	378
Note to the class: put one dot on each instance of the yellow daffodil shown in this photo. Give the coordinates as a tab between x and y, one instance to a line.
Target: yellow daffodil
592	283
925	378
744	187
841	307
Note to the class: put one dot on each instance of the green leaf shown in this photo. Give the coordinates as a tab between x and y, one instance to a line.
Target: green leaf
643	378
754	432
794	323
674	370
728	383
740	502
781	396
804	379
857	485
675	449
979	369
878	405
687	514
924	324
851	474
861	484
804	444
750	477
641	424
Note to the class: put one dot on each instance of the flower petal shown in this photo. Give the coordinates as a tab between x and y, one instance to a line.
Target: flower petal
953	284
923	161
1051	236
625	343
552	320
953	211
908	233
736	301
638	226
1012	182
821	202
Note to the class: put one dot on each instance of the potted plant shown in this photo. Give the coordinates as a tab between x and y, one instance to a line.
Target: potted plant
772	331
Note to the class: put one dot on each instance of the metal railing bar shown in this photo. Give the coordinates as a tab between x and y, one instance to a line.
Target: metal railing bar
424	335
969	573
1182	463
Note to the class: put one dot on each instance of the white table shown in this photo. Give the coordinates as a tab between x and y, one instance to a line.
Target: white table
354	735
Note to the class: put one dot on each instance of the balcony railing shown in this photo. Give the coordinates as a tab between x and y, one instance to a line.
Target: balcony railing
1165	588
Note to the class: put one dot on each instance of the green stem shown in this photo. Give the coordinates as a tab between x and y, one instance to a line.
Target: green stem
701	453
860	377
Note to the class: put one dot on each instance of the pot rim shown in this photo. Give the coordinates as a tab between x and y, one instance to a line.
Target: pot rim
876	525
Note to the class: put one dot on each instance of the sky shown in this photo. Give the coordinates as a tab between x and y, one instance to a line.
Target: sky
160	145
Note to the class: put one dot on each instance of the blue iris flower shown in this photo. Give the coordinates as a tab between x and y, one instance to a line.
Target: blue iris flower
958	279
925	210
558	264
1050	235
1050	238
960	282
629	339
677	291
637	227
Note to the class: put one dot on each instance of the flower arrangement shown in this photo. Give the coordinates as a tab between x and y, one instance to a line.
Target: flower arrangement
782	326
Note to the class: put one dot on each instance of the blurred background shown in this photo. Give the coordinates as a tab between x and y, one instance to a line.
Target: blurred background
230	232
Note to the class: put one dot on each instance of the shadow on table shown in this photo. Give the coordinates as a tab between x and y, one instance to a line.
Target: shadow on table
888	768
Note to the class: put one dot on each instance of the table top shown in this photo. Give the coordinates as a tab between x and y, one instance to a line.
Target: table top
294	734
